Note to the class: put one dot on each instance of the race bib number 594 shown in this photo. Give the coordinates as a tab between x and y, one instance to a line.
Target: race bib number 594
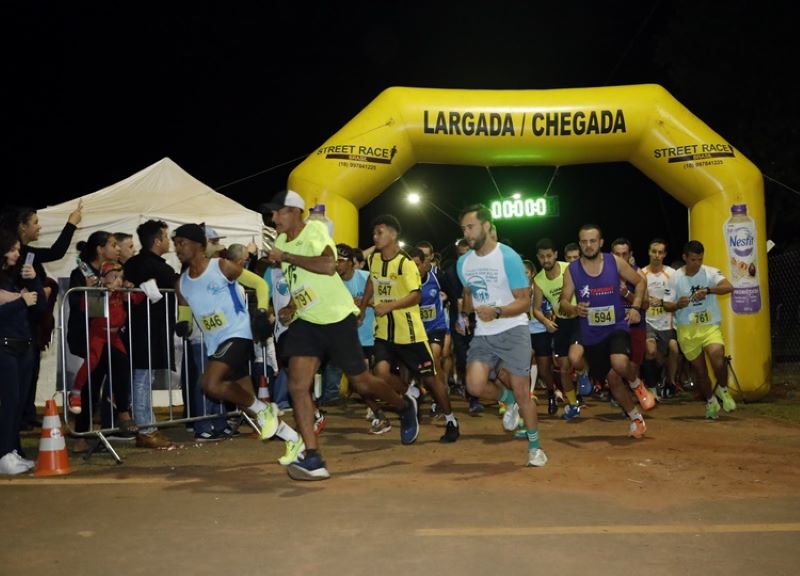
601	316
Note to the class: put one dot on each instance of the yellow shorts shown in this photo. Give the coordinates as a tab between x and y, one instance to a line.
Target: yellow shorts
692	339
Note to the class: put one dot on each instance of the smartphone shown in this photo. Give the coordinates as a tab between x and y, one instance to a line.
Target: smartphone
29	258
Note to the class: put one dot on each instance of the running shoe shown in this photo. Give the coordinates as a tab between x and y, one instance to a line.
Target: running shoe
268	421
409	424
511	417
571	411
521	432
654	392
379	426
712	408
501	407
320	421
552	407
451	433
637	428
646	400
294	451
728	403
309	468
209	436
475	407
584	384
29	464
536	458
11	465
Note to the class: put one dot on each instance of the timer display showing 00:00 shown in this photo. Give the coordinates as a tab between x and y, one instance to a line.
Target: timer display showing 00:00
519	208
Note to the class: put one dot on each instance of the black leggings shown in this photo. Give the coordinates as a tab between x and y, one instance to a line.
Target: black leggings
121	380
16	370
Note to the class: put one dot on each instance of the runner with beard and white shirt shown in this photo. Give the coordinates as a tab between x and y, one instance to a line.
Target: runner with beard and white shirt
496	289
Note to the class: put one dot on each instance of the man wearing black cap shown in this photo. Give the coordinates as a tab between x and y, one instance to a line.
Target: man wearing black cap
208	290
325	325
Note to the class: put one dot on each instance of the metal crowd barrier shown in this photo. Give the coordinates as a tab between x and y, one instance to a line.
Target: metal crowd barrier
96	304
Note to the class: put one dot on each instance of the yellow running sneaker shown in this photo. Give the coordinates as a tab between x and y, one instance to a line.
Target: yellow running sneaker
268	421
293	450
728	403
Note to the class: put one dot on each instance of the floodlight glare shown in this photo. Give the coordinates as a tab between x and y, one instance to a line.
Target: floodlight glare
413	198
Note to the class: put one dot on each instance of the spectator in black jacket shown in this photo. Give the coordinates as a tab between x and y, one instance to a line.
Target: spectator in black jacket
24	221
20	290
152	327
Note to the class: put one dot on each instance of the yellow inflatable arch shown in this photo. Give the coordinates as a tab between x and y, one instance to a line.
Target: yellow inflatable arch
643	125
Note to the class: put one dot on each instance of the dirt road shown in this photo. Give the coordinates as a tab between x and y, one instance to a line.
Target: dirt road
693	497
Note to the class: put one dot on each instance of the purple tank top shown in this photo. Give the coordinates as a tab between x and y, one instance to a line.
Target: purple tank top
606	312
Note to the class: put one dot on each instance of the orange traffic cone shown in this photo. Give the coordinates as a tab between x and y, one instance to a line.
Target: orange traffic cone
263	389
52	459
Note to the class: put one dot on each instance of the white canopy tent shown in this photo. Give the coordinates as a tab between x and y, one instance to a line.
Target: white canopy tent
162	191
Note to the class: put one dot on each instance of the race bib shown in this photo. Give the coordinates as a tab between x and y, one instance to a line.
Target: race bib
428	313
601	316
384	290
304	298
655	311
703	317
213	321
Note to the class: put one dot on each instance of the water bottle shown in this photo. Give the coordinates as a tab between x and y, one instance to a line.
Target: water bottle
85	269
318	213
740	237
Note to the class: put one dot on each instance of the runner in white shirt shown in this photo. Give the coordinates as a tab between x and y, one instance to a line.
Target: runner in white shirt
692	295
662	343
496	289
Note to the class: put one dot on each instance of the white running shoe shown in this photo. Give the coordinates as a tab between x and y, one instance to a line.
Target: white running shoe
511	417
536	457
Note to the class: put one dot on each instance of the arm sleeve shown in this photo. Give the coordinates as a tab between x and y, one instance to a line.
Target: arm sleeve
10	309
59	247
250	280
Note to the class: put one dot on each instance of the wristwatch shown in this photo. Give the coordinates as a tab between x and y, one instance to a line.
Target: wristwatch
497	312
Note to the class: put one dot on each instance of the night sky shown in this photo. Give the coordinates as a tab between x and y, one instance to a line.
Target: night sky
238	95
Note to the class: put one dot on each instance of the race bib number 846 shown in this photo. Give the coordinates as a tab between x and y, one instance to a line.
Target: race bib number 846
213	321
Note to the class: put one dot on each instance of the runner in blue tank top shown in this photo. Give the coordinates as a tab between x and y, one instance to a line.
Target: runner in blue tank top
594	280
210	298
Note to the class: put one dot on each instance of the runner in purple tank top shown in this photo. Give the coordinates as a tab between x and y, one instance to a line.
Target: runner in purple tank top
594	280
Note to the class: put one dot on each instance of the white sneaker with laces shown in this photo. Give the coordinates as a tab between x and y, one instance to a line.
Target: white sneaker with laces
11	465
511	417
29	463
536	457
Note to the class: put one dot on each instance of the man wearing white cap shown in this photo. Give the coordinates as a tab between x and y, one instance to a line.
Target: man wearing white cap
325	324
213	245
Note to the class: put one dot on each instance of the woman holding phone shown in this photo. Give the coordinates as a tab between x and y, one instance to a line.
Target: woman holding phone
24	221
20	296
